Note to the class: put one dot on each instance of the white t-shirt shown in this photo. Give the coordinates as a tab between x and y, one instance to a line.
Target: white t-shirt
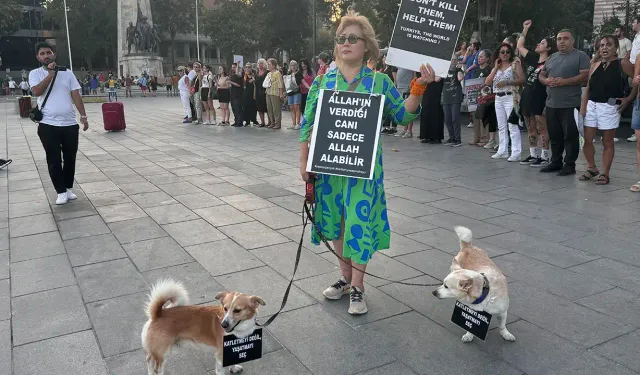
192	75
206	80
24	85
624	47
12	84
182	85
59	109
635	49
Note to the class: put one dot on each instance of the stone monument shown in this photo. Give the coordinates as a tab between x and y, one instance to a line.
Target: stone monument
138	40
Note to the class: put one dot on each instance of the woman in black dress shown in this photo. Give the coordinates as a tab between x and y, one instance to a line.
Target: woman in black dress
261	92
249	96
432	116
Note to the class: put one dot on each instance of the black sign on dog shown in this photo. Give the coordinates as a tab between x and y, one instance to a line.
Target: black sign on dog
236	351
426	31
475	322
346	134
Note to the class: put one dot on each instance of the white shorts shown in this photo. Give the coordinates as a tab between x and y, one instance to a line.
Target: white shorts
602	116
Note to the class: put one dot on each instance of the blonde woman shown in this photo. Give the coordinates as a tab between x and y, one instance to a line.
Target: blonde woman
352	212
224	94
205	95
261	92
294	97
275	95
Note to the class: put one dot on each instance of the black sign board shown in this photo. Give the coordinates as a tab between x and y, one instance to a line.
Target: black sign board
475	322
426	31
346	134
236	351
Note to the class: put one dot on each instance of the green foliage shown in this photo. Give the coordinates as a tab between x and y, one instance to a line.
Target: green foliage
232	27
381	13
10	16
173	16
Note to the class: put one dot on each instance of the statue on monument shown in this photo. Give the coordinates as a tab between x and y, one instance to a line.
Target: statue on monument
131	36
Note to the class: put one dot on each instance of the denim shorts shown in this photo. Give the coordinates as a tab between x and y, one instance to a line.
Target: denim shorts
635	117
294	99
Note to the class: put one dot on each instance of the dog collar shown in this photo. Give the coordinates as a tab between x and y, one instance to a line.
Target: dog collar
485	291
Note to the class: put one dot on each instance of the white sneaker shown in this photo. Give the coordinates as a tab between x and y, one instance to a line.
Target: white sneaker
214	122
407	135
616	139
205	123
470	125
400	133
62	198
337	290
632	138
291	127
490	145
499	156
297	127
357	305
70	195
514	158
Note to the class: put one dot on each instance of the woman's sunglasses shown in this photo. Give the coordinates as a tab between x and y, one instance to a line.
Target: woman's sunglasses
505	52
353	39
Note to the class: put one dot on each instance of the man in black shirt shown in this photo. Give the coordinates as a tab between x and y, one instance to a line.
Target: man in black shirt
236	95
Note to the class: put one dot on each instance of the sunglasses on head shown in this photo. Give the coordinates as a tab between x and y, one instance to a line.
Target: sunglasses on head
505	52
353	39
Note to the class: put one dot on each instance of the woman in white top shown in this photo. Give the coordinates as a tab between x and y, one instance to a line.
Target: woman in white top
224	94
505	78
185	95
205	96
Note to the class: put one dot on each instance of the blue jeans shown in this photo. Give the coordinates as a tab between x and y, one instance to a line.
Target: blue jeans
635	117
452	121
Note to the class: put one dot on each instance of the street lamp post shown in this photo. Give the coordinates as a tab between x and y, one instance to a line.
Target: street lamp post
313	24
66	21
197	31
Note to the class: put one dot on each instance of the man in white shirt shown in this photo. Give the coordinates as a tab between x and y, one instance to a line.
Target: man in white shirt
24	86
12	86
624	44
58	129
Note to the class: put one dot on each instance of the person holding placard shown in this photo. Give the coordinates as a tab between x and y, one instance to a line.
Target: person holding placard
352	212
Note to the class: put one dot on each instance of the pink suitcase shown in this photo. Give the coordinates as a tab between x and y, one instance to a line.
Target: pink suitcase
113	116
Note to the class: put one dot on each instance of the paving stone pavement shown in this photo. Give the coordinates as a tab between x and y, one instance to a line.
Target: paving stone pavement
219	208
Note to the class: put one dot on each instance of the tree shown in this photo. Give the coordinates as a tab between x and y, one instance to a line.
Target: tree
283	24
381	13
10	16
92	28
173	17
232	27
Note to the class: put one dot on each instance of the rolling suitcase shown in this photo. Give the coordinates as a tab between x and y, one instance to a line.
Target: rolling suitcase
24	104
113	116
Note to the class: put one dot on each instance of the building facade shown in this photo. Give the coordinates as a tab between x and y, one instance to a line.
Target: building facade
605	8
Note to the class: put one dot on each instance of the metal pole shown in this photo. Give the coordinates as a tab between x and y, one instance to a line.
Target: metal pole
66	21
197	31
313	2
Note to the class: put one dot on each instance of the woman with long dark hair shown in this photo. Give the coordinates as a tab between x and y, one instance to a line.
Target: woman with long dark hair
534	97
484	123
307	80
261	91
505	78
224	94
249	96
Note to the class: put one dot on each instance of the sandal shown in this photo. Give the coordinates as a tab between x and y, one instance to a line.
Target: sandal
603	179
588	175
635	187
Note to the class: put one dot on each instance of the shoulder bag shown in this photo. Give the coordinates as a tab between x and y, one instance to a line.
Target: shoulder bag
36	113
267	81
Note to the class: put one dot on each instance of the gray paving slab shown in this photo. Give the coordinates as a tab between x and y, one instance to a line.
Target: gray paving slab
110	279
281	362
480	229
131	231
82	227
77	209
5	300
353	350
200	285
99	186
424	354
622	350
247	202
157	253
171	213
74	354
118	322
223	190
202	199
40	274
253	235
266	191
108	198
396	368
269	285
276	217
181	361
138	187
613	272
223	215
617	249
194	232
410	208
48	314
36	246
542	228
566	319
537	352
281	257
223	257
35	207
27	225
27	195
5	347
618	303
95	249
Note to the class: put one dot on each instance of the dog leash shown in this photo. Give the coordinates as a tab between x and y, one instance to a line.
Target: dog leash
306	217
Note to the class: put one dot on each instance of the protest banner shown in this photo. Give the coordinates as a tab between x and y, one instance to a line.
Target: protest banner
472	89
346	134
426	31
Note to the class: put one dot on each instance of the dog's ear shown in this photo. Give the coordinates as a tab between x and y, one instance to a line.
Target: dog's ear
255	301
465	284
221	295
455	266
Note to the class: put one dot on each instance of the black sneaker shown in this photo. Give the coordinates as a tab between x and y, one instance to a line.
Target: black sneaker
529	160
392	131
385	131
540	163
551	168
448	142
4	163
567	171
456	144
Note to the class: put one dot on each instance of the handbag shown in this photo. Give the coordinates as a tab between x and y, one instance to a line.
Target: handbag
267	81
36	113
290	83
514	118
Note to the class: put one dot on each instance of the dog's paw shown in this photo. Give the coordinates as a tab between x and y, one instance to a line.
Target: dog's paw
507	335
468	337
235	369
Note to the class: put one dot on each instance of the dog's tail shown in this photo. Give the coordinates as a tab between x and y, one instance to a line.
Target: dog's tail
162	292
465	236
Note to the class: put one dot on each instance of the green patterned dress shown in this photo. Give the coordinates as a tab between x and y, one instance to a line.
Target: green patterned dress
361	202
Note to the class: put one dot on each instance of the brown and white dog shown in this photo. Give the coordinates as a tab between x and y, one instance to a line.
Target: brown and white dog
477	282
199	327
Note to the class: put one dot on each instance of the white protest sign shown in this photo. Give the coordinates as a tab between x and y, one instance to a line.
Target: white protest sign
426	31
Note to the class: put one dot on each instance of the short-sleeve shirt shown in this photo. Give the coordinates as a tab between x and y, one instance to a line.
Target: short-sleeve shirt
565	65
533	89
403	79
624	47
12	84
236	92
452	89
112	83
635	49
276	83
473	59
59	109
